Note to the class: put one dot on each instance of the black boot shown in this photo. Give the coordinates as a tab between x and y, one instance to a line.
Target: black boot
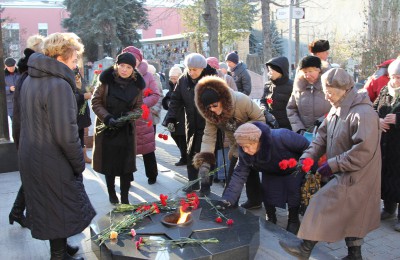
293	220
300	249
193	174
58	250
72	250
112	196
125	183
271	213
353	248
17	211
389	210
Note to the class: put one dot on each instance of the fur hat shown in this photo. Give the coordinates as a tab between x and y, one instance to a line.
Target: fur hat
9	62
126	58
222	65
310	61
247	133
233	56
213	62
135	51
175	71
195	60
337	78
318	46
394	67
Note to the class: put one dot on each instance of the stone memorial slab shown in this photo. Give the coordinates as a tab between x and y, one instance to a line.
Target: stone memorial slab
238	241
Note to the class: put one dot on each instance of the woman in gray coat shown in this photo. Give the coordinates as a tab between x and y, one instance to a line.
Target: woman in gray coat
307	103
348	205
50	154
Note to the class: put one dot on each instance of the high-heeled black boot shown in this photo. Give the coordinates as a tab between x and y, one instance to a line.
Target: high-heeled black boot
17	211
271	213
112	196
58	250
300	249
125	184
293	220
72	250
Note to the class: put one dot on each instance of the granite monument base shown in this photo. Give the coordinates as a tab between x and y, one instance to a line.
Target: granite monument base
238	241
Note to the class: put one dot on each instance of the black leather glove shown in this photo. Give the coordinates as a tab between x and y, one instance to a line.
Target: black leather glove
116	123
223	204
204	169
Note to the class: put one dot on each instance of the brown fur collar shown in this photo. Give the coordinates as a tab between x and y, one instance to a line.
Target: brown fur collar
221	87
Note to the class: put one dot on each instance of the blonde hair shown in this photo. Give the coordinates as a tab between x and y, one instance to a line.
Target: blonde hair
62	44
133	76
35	42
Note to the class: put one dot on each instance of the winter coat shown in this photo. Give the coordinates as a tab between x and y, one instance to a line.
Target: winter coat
229	80
23	69
156	109
183	96
349	204
237	109
147	143
378	80
10	80
386	104
50	154
279	91
180	115
280	187
102	140
306	105
242	78
83	119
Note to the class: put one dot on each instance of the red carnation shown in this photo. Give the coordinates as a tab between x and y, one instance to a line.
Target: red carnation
218	220
269	101
292	163
100	66
165	137
146	112
147	92
307	164
160	136
283	164
229	222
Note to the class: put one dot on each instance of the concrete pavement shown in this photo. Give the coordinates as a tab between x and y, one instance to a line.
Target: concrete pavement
17	243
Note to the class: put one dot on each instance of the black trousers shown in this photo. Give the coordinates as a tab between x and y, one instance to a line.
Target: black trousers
150	165
180	141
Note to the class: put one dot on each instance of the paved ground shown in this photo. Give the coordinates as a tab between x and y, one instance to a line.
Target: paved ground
17	243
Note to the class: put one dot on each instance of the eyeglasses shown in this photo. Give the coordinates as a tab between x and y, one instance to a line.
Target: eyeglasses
214	105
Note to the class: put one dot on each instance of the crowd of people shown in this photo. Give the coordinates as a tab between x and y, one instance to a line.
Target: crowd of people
221	133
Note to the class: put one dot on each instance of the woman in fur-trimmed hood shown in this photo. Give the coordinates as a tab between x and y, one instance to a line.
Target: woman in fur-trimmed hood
224	109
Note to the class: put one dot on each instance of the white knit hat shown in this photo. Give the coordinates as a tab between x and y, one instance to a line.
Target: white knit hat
175	71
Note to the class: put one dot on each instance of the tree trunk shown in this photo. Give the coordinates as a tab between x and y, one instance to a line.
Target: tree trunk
297	37
211	18
266	25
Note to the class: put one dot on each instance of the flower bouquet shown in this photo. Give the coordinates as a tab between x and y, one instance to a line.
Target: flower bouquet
91	87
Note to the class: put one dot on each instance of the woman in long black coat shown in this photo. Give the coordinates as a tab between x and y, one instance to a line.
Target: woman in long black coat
388	107
277	90
50	156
